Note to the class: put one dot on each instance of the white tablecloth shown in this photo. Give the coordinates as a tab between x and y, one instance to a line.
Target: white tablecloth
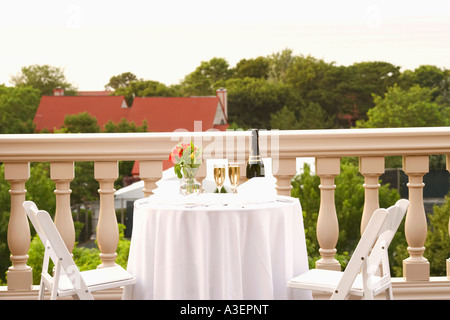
217	251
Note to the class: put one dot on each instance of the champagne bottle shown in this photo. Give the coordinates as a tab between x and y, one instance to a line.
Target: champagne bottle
255	164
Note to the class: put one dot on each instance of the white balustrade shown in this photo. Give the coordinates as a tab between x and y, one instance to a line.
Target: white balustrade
151	149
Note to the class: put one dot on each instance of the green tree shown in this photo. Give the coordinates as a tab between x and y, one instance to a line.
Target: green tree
311	116
316	81
124	126
314	117
252	68
437	243
284	119
254	100
45	78
204	80
306	74
424	76
279	63
18	105
79	123
122	80
145	88
444	89
413	107
363	80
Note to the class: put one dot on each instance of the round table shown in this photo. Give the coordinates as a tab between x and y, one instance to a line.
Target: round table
217	249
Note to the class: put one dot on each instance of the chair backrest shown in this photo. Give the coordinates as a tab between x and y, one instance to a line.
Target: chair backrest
32	210
371	250
387	233
55	247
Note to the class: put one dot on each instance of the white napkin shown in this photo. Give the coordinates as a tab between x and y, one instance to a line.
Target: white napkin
257	190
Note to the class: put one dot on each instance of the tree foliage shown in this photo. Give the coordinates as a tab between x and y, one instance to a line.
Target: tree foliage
122	80
79	123
18	105
254	99
252	68
145	88
413	107
45	78
203	81
124	126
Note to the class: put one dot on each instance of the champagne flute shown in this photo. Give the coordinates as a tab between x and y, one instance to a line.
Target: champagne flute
234	173
219	176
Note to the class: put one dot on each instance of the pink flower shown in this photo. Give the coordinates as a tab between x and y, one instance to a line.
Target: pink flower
176	152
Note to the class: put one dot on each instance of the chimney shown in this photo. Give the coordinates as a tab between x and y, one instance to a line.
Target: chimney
58	92
222	95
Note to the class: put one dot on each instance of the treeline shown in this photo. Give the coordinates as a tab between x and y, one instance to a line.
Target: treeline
279	91
283	91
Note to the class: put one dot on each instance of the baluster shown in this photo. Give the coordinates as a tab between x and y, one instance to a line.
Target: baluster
448	260
63	173
19	275
286	170
371	168
327	224
150	171
106	172
416	267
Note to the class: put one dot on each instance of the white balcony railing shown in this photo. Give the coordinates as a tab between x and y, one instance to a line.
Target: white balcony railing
151	149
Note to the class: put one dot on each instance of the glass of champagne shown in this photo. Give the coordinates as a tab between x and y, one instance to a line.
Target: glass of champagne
219	176
233	174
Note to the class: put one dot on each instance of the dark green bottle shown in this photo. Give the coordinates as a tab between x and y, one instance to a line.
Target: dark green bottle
255	164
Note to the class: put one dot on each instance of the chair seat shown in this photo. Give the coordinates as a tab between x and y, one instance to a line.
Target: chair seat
98	277
325	280
367	273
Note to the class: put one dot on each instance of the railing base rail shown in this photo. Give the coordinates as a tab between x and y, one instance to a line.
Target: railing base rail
437	288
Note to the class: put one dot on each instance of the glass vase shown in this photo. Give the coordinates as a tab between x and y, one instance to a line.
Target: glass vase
188	184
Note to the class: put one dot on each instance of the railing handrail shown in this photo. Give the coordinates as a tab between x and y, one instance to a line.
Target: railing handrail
157	145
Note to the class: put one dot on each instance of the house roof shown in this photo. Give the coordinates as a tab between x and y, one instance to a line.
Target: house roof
166	114
163	114
53	109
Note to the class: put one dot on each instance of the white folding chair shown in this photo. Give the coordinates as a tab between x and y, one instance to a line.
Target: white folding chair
367	273
68	280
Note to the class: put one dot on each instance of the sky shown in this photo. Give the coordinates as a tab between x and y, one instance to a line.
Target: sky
164	41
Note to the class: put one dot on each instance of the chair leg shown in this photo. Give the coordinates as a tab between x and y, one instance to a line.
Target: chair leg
127	292
41	290
388	293
54	289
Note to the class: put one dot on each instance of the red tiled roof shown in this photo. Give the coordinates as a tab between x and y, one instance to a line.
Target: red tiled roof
52	110
164	114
